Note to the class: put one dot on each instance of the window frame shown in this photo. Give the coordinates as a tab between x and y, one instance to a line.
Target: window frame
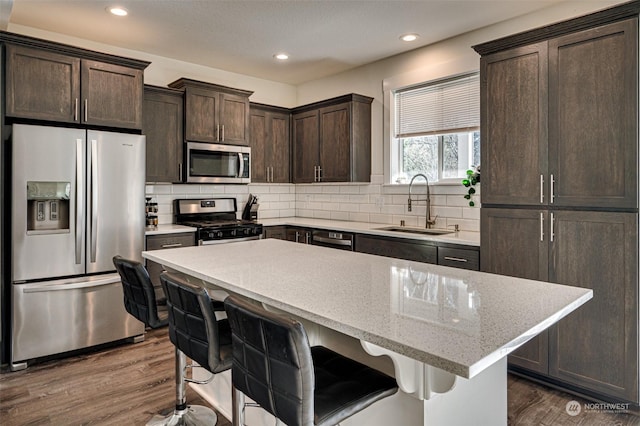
392	151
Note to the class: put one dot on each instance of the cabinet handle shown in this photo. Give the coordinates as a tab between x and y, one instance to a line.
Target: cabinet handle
180	171
553	220
223	132
75	111
86	109
271	174
319	174
164	246
297	237
553	181
217	133
541	189
541	226
455	259
307	237
267	170
315	173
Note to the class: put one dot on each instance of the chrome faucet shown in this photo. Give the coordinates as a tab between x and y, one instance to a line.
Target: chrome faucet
428	219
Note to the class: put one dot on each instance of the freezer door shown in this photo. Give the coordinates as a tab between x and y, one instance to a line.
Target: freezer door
48	202
58	316
115	198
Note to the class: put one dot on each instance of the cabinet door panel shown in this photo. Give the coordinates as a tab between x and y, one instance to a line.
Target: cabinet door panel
112	95
42	85
596	346
280	148
593	116
201	108
234	119
160	242
514	125
397	248
258	143
335	143
514	243
162	125
306	146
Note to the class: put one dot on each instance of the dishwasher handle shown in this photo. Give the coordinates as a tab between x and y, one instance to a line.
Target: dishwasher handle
333	241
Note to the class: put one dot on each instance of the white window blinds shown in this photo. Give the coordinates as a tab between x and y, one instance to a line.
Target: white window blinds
444	106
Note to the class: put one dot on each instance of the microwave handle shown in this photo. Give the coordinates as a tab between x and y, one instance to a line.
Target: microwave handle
241	168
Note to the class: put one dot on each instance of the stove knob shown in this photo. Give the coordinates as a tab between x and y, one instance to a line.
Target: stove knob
219	234
247	231
233	232
211	235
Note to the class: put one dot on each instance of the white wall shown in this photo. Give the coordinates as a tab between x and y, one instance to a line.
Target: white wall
373	202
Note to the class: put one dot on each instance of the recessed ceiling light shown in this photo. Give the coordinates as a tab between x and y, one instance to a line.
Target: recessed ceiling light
117	10
409	37
281	56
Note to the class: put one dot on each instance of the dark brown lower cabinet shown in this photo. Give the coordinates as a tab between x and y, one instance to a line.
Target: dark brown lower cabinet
161	242
513	243
398	248
595	347
276	232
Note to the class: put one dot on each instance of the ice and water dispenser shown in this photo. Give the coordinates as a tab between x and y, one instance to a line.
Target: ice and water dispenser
48	207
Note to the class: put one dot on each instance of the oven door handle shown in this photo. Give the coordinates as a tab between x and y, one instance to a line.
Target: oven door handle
241	168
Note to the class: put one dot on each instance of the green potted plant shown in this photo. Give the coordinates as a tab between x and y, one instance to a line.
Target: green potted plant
473	177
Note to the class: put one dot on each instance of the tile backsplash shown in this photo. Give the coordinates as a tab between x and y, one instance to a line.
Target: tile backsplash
370	202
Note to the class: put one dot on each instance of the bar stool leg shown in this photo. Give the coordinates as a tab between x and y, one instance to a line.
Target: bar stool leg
237	403
184	414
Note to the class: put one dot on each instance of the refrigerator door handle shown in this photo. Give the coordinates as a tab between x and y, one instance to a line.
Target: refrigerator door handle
29	288
79	200
94	199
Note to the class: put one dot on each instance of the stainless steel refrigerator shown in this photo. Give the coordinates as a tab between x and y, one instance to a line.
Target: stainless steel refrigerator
77	201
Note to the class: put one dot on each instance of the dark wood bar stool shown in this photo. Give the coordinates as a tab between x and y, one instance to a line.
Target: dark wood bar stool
196	333
300	385
139	296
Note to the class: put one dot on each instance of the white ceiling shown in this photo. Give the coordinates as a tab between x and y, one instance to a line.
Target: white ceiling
322	37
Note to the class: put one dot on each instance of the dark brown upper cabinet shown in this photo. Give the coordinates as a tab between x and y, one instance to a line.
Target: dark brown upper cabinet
559	120
111	94
270	144
214	113
162	125
332	140
53	82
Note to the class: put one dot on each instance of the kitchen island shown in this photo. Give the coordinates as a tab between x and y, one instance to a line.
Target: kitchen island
444	333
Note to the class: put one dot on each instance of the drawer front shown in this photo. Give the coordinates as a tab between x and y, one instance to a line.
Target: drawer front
459	258
159	242
399	249
277	232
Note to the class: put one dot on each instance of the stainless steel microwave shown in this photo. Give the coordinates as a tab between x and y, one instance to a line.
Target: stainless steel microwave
214	163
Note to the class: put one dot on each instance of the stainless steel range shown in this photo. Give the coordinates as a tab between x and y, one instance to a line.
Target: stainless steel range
216	220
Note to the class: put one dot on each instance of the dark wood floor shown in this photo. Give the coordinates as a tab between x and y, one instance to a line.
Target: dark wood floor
128	384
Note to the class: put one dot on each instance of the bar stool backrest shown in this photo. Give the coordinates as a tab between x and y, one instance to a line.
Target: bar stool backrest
272	361
139	296
193	327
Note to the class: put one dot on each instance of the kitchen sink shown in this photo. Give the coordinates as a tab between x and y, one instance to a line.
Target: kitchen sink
408	230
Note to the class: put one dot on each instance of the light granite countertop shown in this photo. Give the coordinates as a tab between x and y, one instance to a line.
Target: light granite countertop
457	320
462	237
169	229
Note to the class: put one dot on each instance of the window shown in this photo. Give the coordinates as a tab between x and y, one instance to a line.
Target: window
436	129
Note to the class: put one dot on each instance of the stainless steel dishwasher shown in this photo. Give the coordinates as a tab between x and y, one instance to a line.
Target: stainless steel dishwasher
333	239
